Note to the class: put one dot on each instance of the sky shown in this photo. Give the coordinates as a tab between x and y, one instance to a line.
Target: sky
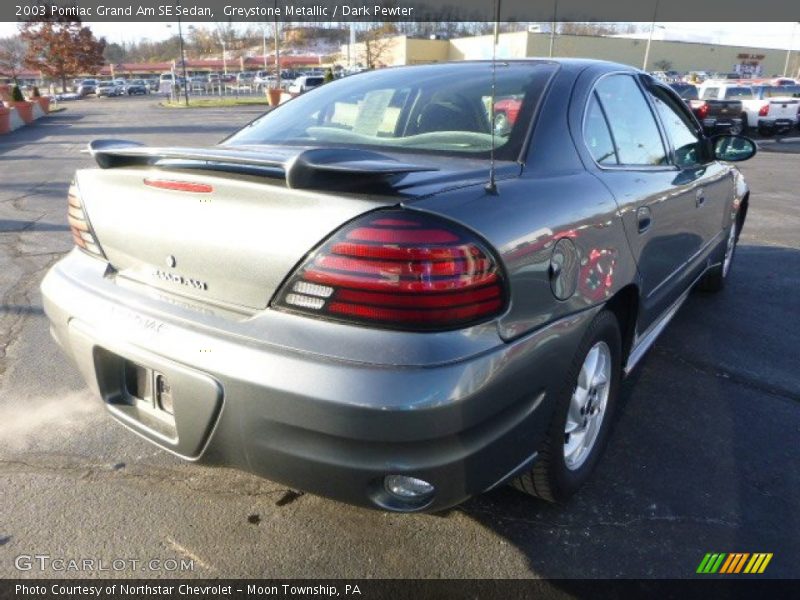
764	35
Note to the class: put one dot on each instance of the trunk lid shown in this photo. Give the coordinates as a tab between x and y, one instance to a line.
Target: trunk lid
232	245
241	219
724	108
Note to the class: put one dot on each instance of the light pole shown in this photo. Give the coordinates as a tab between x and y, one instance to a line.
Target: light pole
789	51
650	37
224	55
183	60
553	29
277	50
264	32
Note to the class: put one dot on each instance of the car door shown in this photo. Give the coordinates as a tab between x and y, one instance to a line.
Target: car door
711	182
655	203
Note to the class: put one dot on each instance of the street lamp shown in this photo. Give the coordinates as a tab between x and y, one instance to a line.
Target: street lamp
553	28
789	51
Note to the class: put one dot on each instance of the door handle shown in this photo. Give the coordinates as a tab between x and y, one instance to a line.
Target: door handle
644	218
701	197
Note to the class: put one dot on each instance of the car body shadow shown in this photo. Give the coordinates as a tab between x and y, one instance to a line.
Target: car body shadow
700	459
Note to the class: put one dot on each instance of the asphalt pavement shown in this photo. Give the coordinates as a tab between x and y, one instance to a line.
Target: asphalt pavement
703	458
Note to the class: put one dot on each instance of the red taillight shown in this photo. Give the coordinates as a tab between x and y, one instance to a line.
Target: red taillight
701	109
400	270
79	225
764	110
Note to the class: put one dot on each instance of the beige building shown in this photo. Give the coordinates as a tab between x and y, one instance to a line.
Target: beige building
681	56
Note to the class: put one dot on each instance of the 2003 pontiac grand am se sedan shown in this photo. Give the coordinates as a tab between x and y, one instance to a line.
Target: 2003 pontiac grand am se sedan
379	294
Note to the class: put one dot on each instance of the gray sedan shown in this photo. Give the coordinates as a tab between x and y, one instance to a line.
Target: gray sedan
374	294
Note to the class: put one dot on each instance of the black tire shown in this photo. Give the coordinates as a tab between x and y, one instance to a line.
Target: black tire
550	479
714	279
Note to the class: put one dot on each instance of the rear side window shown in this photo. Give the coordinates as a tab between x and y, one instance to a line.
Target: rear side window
597	136
633	126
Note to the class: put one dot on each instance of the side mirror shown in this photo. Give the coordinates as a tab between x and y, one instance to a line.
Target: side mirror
733	148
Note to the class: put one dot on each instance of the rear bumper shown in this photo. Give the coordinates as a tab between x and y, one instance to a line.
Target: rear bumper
714	125
325	425
776	125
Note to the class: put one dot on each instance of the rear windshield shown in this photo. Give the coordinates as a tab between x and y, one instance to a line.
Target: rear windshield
443	109
782	91
739	92
688	92
314	80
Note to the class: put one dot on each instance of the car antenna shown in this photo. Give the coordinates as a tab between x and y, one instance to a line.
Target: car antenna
491	186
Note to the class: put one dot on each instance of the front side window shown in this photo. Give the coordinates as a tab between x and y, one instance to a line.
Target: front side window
633	126
686	142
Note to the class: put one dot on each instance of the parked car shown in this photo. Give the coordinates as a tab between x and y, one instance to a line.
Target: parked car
716	116
152	84
245	78
781	94
461	313
767	116
108	87
169	79
305	83
137	86
87	86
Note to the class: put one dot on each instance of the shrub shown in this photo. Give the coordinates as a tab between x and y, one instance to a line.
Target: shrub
16	94
328	76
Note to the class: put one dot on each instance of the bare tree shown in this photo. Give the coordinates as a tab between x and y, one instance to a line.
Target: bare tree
377	42
663	65
587	28
12	56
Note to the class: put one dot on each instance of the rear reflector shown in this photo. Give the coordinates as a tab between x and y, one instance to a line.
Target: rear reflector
179	186
399	269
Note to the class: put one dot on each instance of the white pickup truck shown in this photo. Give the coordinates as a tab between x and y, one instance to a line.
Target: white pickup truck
766	108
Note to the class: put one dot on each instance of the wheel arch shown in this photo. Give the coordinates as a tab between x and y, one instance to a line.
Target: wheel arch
741	215
625	306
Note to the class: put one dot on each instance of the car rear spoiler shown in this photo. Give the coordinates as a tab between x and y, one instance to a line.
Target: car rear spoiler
328	168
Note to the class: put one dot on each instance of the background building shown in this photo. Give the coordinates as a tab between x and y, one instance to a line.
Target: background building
664	55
